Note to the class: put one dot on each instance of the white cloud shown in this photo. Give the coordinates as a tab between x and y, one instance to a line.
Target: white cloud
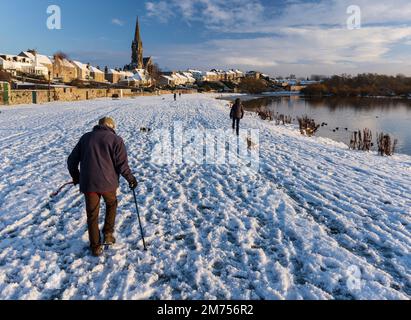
161	10
117	22
251	61
252	16
297	35
214	14
334	12
303	50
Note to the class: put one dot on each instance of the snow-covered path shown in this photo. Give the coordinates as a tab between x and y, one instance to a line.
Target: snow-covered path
294	230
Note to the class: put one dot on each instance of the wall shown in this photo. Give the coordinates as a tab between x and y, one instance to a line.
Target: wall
63	94
76	94
20	97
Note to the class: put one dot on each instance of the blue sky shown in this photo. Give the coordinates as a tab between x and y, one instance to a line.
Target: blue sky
278	37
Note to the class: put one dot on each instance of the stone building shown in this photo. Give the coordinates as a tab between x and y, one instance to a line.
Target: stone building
63	70
167	80
96	74
112	76
173	79
253	74
83	72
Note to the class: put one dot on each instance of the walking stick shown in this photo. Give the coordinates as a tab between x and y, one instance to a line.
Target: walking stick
55	194
139	221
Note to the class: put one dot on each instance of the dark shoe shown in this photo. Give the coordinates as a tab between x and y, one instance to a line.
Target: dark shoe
109	240
97	251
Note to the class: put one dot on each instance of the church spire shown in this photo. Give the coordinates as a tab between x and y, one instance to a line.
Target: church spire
137	49
137	37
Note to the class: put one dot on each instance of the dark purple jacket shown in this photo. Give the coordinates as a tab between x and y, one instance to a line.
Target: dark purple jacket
237	111
102	157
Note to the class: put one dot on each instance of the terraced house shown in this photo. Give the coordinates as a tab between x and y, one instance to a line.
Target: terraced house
39	59
17	65
83	72
63	70
96	74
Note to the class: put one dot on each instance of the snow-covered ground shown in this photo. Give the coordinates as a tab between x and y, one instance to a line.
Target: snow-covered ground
316	222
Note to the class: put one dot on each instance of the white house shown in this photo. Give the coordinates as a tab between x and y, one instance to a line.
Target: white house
210	76
14	64
197	74
181	79
166	80
190	79
230	75
39	59
124	75
140	78
184	78
143	77
221	74
177	79
239	74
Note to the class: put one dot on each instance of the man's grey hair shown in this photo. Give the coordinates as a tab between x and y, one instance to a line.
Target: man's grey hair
108	122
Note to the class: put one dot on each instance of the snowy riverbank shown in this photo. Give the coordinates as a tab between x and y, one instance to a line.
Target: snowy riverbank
298	229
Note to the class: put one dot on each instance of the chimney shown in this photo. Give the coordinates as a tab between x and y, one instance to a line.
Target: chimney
34	53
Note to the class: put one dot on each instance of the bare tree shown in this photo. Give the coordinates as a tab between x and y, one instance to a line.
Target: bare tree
59	55
155	73
5	76
253	86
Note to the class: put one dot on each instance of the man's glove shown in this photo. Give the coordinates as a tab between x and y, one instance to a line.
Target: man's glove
133	183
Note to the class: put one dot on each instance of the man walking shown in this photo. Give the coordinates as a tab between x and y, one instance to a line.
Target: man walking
102	157
236	114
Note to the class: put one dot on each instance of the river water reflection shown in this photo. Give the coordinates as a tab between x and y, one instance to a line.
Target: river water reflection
392	116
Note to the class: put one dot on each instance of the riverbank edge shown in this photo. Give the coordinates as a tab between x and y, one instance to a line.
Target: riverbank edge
294	127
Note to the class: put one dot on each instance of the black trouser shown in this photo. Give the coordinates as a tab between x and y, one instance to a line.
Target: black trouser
236	125
93	211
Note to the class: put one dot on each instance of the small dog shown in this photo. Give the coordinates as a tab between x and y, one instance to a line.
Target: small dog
251	145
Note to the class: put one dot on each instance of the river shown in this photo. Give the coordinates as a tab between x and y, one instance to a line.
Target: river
391	116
